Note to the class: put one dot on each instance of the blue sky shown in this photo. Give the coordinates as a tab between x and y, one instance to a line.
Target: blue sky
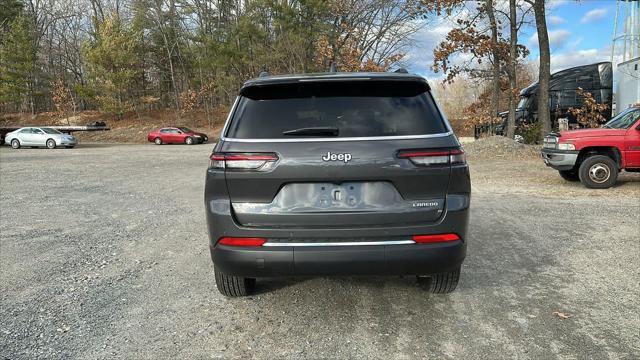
580	33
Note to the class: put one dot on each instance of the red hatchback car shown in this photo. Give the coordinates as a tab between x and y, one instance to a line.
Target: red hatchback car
176	135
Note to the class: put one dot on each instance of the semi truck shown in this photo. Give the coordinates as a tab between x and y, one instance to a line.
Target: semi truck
596	79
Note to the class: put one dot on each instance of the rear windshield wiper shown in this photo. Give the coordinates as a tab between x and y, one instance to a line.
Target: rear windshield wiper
312	131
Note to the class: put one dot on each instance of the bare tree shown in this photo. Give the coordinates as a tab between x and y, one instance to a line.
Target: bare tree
513	53
544	75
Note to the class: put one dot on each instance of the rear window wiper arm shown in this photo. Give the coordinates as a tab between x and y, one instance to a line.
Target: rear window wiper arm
313	131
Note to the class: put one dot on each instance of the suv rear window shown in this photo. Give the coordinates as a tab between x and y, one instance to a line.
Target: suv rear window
355	109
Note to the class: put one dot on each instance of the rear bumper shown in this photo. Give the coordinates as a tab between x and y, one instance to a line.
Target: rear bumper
353	259
410	259
560	160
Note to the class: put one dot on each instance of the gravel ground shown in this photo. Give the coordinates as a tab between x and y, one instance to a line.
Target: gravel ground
103	254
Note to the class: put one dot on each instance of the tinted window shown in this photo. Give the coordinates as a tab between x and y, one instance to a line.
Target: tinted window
355	109
51	131
26	131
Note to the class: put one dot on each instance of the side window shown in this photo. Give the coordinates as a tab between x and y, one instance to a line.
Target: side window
25	131
635	117
164	131
38	131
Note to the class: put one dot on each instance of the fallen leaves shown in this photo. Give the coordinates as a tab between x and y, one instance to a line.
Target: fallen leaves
561	315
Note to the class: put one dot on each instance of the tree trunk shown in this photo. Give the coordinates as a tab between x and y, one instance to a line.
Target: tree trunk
495	69
545	68
513	53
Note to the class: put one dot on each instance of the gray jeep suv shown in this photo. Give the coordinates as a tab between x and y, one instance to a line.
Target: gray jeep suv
337	174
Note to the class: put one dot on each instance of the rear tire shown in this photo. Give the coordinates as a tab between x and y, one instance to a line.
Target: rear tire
188	140
442	283
569	175
15	143
51	144
234	286
157	141
598	172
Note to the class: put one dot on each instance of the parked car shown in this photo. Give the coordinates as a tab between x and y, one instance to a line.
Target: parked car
176	135
337	174
596	156
39	136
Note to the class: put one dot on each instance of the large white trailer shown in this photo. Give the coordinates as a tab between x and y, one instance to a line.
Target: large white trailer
627	84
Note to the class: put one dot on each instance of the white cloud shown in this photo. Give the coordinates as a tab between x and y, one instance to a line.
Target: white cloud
569	59
556	20
554	4
420	55
593	15
557	39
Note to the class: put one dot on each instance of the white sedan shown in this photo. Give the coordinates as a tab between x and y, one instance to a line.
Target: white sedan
39	136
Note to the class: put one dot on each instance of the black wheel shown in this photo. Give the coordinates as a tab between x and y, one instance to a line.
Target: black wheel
569	175
157	141
188	140
51	144
598	172
234	286
15	143
443	283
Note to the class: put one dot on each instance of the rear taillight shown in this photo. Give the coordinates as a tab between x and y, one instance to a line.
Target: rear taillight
243	161
241	241
434	157
425	239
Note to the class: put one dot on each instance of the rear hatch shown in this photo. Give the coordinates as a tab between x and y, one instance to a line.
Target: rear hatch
337	154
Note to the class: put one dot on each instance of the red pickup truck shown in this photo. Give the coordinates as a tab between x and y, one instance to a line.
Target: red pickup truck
596	156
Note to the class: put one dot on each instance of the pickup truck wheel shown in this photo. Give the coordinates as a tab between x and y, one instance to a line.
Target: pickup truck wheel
598	172
569	175
442	283
233	286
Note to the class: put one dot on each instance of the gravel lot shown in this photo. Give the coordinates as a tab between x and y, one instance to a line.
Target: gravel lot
103	253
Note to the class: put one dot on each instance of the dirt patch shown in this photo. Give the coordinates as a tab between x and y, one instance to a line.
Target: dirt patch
500	147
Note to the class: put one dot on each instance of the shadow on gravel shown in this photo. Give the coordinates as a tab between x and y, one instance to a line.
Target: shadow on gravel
267	285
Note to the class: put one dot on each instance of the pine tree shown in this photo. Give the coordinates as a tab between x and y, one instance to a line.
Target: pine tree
113	63
17	63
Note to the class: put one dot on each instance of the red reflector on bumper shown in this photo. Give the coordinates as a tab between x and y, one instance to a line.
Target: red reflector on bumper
242	241
422	239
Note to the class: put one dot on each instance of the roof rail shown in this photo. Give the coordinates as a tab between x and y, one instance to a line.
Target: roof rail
333	68
264	72
401	71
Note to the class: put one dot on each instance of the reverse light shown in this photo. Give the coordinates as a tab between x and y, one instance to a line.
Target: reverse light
566	146
243	161
425	239
437	157
241	241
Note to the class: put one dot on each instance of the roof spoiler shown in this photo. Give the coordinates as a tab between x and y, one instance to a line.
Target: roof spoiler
264	72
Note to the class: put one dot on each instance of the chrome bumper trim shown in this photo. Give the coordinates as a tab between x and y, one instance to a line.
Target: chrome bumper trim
350	243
